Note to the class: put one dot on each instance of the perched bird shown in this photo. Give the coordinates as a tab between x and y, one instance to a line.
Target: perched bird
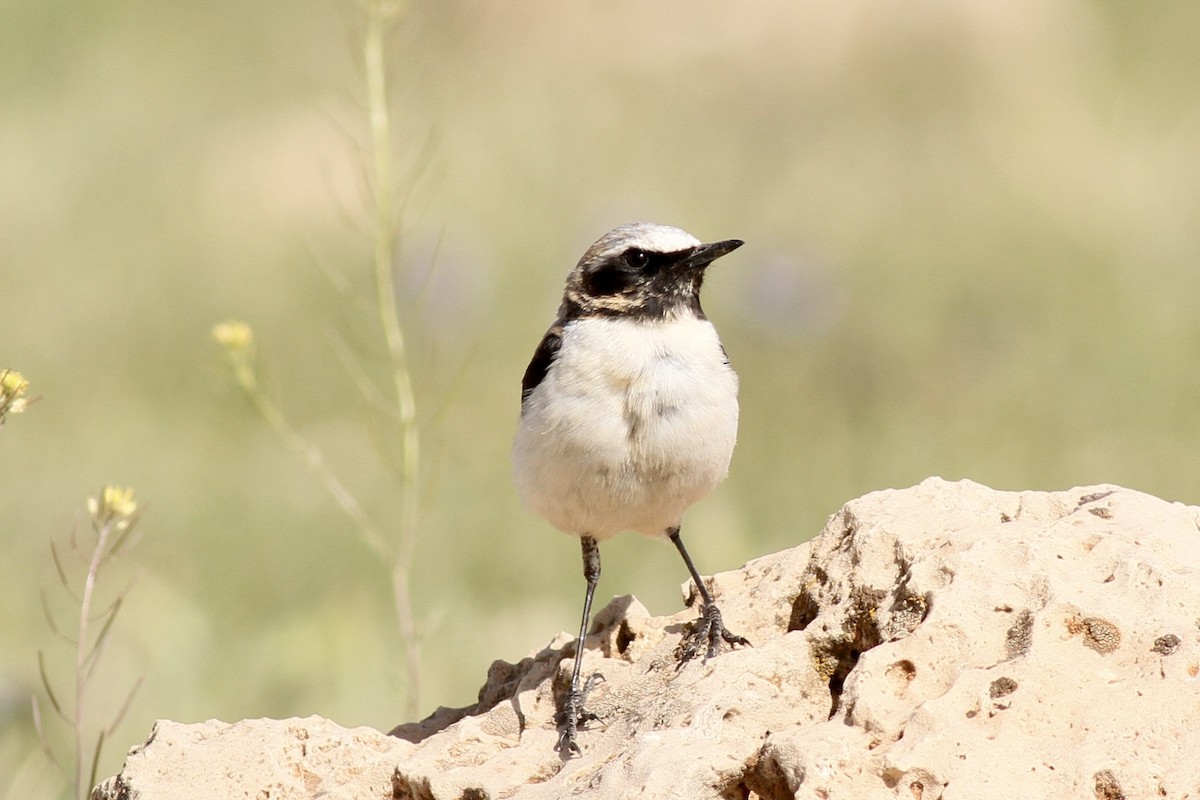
629	413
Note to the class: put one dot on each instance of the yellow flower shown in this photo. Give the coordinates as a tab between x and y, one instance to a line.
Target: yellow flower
233	335
114	503
120	500
12	389
12	382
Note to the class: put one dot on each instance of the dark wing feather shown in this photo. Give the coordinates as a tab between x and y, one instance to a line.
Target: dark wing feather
543	357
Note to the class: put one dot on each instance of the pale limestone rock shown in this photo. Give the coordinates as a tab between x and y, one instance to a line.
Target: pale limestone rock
259	759
945	640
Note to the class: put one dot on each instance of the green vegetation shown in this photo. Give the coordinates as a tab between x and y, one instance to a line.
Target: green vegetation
396	411
971	252
114	517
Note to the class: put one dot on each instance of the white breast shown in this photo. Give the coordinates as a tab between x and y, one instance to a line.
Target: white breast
634	422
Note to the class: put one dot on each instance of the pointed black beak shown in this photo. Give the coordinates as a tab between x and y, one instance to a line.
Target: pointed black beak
703	255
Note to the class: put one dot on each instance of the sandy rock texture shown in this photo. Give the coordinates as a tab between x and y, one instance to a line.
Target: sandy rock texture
942	641
260	759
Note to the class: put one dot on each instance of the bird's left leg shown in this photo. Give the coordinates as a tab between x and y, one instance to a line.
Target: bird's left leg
573	712
706	633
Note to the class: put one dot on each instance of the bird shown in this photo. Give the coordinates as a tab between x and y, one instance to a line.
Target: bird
629	415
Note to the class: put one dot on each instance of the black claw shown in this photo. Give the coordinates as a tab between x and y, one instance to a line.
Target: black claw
706	634
569	725
574	714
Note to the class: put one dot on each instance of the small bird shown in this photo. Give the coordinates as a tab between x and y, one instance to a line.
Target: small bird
629	414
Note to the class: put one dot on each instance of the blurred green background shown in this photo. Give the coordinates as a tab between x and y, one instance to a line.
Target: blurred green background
972	252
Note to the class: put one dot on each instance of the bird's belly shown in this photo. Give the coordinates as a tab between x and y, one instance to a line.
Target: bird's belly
628	448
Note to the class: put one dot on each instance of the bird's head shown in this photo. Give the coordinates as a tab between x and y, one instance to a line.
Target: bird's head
642	270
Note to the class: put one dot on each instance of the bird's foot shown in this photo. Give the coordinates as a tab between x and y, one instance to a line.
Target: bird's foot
705	636
573	715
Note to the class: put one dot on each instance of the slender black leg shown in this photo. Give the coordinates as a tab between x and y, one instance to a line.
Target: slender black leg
708	631
573	713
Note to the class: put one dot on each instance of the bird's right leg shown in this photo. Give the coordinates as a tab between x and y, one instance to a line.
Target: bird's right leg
572	713
709	631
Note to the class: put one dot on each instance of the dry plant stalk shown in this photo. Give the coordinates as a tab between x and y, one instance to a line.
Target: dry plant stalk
237	339
381	14
114	517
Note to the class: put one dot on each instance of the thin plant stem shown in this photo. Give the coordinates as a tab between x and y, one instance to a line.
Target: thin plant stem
313	458
113	518
380	16
82	650
396	553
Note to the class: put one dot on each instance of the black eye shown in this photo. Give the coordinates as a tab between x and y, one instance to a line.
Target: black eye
637	259
607	280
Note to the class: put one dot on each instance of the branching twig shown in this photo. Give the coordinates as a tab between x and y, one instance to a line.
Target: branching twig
380	15
114	515
238	340
397	404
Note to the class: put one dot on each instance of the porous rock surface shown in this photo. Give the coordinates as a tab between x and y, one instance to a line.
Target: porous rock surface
945	640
